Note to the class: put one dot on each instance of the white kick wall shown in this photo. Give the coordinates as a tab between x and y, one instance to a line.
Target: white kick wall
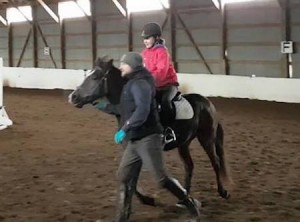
4	119
261	88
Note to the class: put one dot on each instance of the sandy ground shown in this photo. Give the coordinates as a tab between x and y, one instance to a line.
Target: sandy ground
58	163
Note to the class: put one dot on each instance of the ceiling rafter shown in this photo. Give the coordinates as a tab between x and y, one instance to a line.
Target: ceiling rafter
217	3
49	10
3	20
82	10
120	7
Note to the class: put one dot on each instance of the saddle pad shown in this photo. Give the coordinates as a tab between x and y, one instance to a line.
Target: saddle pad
184	110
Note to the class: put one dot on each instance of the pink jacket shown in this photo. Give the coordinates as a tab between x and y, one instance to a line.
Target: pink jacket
157	60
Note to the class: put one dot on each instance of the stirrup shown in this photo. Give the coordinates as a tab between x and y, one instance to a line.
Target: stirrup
169	135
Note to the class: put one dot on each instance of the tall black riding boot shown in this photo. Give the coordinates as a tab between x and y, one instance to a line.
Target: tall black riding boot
192	205
126	192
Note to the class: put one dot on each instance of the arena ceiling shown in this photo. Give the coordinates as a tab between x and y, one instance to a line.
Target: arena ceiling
10	3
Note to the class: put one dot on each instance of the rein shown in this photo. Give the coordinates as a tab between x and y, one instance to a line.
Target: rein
104	79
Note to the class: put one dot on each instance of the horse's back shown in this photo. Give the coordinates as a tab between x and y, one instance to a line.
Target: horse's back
197	100
204	110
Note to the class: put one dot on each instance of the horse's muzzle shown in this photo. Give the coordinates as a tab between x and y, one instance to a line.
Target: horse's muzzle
73	99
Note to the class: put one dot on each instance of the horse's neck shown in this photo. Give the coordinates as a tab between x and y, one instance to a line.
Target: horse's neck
113	99
115	86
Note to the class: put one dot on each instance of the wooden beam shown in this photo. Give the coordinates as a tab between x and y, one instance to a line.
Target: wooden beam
173	35
3	20
130	30
176	14
226	69
16	7
63	43
83	11
217	4
35	41
120	7
167	14
38	28
24	47
165	22
94	30
48	9
194	43
10	46
46	44
286	22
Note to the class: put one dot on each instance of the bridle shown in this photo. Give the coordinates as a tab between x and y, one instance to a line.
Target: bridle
103	79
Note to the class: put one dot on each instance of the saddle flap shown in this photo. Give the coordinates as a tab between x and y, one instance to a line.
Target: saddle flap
183	108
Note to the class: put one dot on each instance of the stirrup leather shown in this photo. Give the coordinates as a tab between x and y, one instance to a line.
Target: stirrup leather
169	135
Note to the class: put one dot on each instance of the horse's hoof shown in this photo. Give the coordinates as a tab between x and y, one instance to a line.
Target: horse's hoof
225	194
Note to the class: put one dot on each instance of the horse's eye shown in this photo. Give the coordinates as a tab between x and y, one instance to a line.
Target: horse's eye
97	75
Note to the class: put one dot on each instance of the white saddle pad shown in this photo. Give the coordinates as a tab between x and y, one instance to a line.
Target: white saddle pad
184	110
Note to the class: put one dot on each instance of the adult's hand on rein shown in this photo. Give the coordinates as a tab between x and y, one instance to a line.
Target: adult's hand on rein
119	136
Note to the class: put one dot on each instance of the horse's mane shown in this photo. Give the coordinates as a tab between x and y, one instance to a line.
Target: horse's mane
115	81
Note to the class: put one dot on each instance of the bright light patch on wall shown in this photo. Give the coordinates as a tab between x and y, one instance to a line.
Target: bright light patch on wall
146	5
13	14
70	9
237	1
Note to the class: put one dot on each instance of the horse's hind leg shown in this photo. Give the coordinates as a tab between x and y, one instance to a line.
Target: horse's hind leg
210	148
185	156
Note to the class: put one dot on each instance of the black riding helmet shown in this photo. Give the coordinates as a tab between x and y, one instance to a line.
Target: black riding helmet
151	29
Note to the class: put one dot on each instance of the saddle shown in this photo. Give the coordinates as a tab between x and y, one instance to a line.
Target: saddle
181	107
182	110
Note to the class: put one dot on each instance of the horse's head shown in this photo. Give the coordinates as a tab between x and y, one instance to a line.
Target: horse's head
95	85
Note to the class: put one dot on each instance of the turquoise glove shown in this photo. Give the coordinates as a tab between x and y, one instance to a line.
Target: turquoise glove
101	105
119	136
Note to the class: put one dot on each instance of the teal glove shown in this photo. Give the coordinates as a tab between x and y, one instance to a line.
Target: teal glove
101	105
119	136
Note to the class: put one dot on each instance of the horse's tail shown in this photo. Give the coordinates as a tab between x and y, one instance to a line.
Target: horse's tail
224	170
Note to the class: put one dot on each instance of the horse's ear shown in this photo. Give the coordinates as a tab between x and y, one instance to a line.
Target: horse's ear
110	63
97	61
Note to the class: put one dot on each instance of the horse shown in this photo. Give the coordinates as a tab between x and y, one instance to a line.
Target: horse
105	81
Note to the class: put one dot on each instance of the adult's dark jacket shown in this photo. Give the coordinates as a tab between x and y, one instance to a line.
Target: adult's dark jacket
138	109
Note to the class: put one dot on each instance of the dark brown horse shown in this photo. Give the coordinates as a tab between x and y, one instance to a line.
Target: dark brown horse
105	81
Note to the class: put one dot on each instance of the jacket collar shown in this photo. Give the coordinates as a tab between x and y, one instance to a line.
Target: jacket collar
137	72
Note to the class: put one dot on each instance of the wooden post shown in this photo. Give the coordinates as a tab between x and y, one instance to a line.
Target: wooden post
63	43
94	30
224	40
10	46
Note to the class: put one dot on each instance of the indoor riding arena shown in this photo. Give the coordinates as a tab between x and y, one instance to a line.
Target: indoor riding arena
58	163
